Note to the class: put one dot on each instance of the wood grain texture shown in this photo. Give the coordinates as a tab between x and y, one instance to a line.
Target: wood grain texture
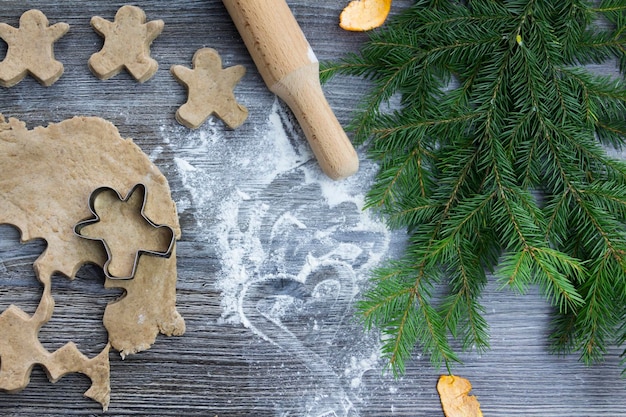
316	358
290	69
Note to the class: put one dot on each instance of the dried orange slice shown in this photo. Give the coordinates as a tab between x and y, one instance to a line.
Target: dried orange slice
453	392
362	15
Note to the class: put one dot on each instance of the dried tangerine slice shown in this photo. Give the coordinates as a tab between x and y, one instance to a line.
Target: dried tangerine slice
362	15
455	402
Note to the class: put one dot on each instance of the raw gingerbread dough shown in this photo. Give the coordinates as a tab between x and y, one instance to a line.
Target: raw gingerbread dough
30	50
20	351
46	179
210	90
127	43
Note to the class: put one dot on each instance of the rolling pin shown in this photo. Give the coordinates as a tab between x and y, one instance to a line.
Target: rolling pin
290	70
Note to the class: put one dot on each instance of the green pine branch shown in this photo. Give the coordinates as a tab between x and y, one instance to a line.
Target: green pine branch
496	161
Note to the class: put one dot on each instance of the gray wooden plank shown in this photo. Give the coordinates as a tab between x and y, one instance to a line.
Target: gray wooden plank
272	256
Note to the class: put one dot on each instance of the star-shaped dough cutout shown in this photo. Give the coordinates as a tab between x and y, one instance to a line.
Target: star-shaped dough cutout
121	225
210	90
30	50
127	43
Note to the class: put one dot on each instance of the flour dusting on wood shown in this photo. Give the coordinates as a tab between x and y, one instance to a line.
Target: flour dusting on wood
296	247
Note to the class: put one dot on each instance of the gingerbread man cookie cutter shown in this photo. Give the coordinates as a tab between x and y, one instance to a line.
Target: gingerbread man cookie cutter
30	50
127	43
126	227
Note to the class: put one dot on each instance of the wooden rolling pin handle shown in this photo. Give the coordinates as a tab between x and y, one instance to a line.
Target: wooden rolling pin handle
290	70
302	92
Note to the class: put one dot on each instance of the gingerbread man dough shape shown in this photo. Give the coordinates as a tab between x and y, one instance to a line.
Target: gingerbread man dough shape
30	50
127	43
210	90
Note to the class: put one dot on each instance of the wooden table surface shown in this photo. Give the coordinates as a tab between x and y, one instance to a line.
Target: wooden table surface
273	254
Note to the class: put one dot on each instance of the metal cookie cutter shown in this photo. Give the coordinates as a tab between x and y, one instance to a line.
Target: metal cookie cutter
123	228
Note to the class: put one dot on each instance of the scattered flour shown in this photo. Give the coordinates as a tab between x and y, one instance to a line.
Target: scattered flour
291	244
358	367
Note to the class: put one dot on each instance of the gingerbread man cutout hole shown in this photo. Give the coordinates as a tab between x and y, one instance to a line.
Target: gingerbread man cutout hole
30	50
127	43
210	90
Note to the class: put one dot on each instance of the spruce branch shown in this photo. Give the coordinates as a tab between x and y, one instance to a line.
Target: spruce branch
496	161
